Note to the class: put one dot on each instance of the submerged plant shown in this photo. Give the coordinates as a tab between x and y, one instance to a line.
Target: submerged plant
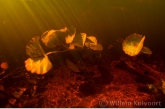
65	38
38	62
133	45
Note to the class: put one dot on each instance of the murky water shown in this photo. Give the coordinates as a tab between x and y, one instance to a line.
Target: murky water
106	75
106	19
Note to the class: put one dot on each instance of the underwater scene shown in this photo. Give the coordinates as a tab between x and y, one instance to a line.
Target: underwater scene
82	53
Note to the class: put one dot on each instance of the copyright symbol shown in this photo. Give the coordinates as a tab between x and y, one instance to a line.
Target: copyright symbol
103	103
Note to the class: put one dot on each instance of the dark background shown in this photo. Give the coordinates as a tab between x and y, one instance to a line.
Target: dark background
108	20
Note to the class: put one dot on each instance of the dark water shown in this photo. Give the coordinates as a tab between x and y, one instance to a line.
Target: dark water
20	20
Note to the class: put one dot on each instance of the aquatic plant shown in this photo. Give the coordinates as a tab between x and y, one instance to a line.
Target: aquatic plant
133	45
93	44
67	38
38	62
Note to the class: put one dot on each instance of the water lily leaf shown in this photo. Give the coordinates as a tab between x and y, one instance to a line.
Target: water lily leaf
79	40
38	65
91	40
146	50
97	47
38	62
50	38
69	39
71	32
34	49
133	44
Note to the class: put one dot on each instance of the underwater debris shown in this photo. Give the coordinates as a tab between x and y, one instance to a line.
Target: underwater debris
17	94
4	65
72	66
33	90
12	101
